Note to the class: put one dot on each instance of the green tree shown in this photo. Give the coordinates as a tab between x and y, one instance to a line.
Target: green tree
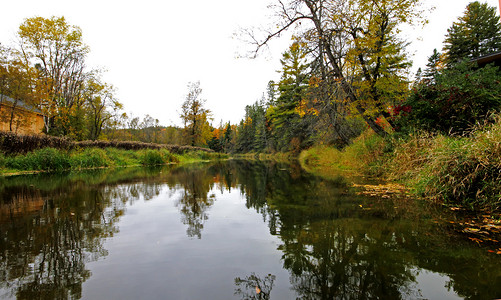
271	92
476	33
252	132
228	146
262	134
433	66
195	117
286	116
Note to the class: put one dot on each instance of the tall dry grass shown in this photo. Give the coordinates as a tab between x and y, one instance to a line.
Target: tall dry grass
460	170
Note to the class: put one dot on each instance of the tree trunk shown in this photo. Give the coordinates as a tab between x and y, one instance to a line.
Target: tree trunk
337	70
11	120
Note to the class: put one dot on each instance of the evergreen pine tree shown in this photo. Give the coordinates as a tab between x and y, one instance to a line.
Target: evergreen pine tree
475	34
432	67
291	88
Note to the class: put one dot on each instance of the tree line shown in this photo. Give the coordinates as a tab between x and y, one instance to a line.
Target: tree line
345	71
47	71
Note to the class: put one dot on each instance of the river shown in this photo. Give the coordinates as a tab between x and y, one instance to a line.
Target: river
228	230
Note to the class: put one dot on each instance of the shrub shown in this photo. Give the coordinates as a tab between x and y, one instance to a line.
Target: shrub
11	143
151	158
366	152
90	158
462	171
455	101
365	155
169	157
47	159
50	159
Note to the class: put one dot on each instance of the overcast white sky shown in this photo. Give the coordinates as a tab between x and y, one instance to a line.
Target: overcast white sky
152	49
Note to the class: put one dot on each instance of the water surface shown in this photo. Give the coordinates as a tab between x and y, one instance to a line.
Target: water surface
230	230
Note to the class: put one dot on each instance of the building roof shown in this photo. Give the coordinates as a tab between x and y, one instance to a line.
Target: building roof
19	103
490	58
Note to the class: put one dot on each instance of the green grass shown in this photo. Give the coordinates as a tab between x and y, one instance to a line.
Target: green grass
47	159
121	157
51	159
90	158
364	157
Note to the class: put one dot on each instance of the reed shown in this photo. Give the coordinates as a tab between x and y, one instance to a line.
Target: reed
151	158
464	171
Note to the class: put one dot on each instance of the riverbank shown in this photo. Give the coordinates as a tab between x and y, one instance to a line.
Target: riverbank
462	174
51	159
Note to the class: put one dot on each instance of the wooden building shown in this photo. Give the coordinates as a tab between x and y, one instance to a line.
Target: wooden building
18	117
488	59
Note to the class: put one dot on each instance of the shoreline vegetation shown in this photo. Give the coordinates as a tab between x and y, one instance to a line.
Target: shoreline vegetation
25	154
460	172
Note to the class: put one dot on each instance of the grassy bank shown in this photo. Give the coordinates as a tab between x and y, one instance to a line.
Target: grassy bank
77	158
457	171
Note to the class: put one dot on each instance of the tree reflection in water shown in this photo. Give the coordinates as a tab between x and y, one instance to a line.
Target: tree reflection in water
194	183
44	254
51	226
337	245
334	244
254	287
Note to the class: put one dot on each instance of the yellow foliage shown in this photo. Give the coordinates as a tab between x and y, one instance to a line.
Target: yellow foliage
302	109
248	121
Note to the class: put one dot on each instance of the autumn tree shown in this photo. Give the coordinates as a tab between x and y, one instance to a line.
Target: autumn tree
150	129
476	33
16	81
334	124
195	116
58	52
216	141
358	43
100	105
